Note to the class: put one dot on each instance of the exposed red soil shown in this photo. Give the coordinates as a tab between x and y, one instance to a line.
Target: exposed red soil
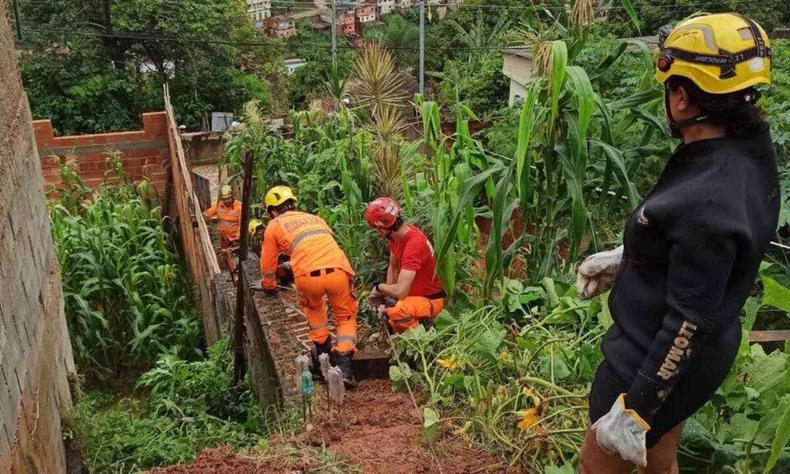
376	430
222	460
379	431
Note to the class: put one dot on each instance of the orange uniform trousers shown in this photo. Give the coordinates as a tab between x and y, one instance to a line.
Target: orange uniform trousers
408	312
335	285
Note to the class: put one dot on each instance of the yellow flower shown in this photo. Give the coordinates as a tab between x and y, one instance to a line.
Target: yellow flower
529	418
449	363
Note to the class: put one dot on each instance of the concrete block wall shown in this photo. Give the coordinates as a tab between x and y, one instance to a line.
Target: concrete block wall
35	351
146	153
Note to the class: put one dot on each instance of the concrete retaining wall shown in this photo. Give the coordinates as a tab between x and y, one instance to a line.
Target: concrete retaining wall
35	351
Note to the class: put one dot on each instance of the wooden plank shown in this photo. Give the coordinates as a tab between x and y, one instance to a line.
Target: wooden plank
769	336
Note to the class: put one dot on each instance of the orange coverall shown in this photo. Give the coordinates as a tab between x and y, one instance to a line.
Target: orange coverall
320	269
229	218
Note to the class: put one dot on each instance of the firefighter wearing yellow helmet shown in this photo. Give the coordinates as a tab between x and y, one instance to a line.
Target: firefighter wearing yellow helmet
227	212
691	250
321	273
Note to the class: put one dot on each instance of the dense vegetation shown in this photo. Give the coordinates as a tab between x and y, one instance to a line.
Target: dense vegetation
509	363
127	297
510	211
189	405
95	66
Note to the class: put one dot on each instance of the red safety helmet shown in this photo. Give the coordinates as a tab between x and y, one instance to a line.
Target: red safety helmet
382	213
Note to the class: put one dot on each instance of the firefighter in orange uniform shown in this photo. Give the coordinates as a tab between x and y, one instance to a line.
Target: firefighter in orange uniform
320	269
228	213
412	282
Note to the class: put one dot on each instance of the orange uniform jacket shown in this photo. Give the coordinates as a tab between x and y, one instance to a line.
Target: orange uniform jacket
229	219
307	239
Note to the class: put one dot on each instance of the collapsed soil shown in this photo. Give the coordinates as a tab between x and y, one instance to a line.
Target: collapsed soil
223	460
379	431
376	430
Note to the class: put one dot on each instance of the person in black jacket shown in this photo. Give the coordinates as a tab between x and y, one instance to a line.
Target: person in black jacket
691	250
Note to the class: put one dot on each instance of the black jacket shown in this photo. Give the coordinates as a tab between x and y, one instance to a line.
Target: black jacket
692	251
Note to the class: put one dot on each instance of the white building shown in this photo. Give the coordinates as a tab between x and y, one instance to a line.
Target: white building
517	66
404	4
385	6
292	65
259	11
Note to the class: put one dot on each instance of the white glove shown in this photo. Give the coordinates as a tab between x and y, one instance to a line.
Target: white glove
623	431
597	272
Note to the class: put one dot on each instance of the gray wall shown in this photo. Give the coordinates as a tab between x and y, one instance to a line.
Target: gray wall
35	352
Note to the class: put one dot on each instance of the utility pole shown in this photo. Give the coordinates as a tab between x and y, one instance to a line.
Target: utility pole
334	33
422	46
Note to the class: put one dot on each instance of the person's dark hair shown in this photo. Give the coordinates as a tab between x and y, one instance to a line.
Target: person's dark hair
736	111
398	223
288	205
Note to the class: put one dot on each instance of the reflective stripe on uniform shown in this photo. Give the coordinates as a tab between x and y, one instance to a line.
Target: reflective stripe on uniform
319	326
346	338
268	275
404	320
304	235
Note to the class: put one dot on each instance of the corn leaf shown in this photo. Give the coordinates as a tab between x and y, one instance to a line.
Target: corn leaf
559	62
629	10
526	128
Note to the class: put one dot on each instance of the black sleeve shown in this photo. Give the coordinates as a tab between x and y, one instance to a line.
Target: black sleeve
703	246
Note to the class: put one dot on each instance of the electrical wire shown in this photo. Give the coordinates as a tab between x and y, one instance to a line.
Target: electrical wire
164	38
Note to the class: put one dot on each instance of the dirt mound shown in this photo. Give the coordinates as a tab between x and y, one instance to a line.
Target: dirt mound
222	460
376	430
379	431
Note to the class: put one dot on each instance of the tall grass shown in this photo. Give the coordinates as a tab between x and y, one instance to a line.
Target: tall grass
127	298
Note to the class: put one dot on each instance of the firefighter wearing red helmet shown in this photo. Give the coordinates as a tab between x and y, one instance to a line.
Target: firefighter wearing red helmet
412	285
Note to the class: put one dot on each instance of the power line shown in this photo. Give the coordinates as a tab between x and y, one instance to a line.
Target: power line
157	37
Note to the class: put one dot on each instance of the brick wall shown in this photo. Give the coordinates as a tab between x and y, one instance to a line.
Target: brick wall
145	152
35	352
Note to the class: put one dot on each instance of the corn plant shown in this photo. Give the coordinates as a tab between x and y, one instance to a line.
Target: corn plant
126	296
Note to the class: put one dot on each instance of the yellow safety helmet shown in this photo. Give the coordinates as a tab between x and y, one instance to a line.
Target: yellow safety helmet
278	195
253	226
225	192
720	53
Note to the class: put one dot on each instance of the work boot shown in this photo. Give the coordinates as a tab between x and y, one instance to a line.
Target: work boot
318	349
342	360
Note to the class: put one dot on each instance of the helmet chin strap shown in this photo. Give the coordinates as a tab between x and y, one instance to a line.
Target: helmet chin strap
675	126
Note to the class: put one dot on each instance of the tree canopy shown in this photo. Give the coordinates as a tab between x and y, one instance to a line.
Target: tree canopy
96	65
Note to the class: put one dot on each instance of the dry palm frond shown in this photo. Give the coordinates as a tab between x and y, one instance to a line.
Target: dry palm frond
377	82
582	13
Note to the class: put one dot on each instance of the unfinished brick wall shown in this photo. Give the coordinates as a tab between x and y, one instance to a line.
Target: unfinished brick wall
146	153
35	352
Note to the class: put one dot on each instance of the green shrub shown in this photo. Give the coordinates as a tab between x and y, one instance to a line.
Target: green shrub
190	406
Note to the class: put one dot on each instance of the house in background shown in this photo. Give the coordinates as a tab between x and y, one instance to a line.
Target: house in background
280	27
383	6
293	64
346	21
517	66
259	11
365	13
405	4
